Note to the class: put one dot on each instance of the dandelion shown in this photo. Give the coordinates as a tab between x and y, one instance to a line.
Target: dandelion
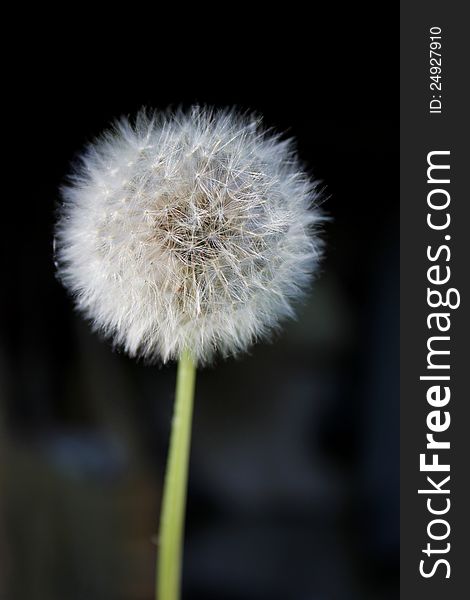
183	236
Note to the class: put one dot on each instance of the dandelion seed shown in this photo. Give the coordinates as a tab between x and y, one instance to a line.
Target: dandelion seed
204	233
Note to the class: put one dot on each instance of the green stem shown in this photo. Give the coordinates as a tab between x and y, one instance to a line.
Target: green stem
170	550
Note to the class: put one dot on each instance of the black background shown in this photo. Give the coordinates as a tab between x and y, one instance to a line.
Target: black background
294	474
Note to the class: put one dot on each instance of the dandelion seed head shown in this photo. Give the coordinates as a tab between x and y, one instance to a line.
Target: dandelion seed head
188	230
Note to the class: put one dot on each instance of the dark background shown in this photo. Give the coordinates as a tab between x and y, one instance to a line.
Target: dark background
293	490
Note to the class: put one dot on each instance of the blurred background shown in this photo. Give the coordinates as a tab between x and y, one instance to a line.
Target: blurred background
293	490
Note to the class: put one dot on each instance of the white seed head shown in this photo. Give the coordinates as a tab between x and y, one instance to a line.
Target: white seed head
187	230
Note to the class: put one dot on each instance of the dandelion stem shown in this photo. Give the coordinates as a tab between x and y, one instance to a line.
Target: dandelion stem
170	551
